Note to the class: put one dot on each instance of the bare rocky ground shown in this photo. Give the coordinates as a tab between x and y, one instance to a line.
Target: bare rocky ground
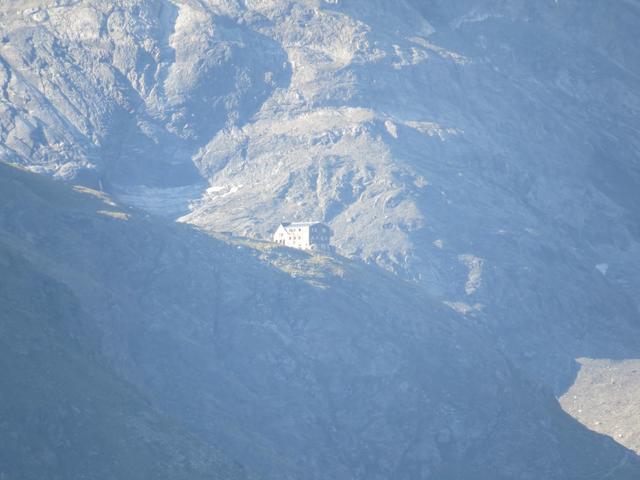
606	398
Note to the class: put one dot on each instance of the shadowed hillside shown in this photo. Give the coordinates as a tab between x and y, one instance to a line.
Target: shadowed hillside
477	161
338	372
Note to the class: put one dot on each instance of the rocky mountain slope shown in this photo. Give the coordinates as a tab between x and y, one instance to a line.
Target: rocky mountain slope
430	136
605	399
121	327
64	413
487	151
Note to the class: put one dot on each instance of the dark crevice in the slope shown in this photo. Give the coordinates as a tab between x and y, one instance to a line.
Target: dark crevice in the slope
7	80
226	95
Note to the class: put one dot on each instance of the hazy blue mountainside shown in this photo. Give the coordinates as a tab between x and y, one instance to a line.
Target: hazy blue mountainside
64	413
488	150
341	372
485	151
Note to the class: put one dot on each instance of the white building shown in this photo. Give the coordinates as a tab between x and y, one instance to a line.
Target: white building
304	235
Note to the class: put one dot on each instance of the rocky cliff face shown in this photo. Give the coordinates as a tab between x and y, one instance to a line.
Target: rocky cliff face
485	151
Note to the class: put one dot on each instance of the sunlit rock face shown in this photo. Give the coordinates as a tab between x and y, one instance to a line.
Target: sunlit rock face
485	150
604	398
126	91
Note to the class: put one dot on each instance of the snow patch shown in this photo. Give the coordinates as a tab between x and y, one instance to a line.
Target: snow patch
165	202
391	128
432	129
474	278
464	308
441	51
222	191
